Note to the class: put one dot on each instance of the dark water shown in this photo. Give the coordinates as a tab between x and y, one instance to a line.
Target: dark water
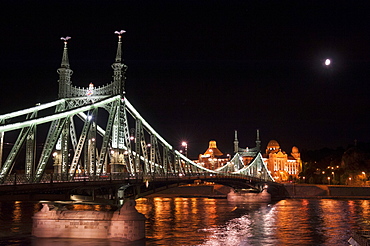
215	222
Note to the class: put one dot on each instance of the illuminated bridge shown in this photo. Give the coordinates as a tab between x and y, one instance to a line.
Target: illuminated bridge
94	139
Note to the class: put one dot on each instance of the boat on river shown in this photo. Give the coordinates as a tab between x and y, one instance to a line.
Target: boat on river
249	196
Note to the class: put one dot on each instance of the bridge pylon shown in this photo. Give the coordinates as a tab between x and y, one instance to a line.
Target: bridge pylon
91	131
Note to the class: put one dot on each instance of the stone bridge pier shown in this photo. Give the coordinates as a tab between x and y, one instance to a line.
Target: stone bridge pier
124	224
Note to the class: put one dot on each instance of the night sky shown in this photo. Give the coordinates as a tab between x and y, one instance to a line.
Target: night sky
198	70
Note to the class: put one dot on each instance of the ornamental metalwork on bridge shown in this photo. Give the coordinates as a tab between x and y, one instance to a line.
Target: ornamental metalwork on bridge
96	132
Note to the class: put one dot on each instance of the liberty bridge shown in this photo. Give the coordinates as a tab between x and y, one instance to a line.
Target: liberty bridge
96	138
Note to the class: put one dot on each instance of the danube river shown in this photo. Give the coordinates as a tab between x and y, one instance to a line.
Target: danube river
214	222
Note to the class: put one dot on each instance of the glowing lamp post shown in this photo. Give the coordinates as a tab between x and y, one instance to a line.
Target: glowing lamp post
185	145
363	177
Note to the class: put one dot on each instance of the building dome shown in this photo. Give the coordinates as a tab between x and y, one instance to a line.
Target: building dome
295	153
213	150
272	147
295	149
273	144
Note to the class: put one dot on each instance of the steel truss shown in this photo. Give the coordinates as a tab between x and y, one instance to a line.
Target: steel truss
256	168
90	149
92	132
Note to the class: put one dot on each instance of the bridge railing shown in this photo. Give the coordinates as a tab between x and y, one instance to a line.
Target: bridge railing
18	179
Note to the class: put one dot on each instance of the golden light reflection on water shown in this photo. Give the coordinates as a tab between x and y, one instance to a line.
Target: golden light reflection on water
17	211
291	222
334	213
17	216
181	218
314	222
362	206
309	223
89	207
201	221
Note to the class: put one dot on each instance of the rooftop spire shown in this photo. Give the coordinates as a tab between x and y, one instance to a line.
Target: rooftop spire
236	142
65	61
119	47
119	68
258	141
65	72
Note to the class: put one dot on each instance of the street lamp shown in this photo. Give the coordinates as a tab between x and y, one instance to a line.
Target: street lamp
185	145
329	180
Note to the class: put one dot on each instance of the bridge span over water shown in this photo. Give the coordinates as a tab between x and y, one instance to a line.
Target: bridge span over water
112	188
97	140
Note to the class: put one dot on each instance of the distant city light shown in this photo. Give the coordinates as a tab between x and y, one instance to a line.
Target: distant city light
327	62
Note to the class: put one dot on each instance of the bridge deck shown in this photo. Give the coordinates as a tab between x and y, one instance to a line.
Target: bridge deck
60	187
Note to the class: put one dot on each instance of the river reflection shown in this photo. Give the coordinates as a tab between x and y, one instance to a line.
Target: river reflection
295	222
214	222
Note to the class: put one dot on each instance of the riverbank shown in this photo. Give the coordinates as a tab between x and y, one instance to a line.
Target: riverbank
202	190
290	191
327	191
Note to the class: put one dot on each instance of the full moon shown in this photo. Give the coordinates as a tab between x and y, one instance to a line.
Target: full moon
327	62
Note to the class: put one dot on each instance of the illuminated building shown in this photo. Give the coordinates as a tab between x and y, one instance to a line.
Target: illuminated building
283	167
213	158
